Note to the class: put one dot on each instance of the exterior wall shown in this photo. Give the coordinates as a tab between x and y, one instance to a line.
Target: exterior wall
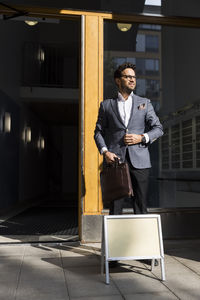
92	204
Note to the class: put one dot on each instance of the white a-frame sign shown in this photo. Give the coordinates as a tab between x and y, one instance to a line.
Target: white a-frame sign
131	237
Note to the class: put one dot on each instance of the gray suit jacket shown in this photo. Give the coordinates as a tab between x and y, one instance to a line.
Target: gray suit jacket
110	130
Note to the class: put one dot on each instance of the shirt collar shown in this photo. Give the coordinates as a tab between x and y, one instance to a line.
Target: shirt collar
121	98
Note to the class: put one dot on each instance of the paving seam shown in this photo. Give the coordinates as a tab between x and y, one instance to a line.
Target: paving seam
110	275
162	282
64	274
118	289
19	274
156	277
186	266
90	251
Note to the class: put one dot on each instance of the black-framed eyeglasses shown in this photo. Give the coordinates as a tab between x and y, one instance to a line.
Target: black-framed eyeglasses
129	77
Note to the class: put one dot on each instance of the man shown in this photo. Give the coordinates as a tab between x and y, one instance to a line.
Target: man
125	127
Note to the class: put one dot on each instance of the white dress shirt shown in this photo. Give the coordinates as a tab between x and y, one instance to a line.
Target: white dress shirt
125	107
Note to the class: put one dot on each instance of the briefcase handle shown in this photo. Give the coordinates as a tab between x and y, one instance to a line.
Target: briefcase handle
114	164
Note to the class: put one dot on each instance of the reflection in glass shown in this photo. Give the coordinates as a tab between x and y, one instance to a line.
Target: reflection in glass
148	88
147	42
146	66
167	67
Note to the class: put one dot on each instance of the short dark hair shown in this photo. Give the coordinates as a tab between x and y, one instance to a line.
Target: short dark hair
118	71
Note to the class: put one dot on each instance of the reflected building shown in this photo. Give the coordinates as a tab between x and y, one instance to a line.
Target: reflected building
180	157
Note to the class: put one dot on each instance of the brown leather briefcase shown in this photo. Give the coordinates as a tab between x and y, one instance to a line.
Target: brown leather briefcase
115	182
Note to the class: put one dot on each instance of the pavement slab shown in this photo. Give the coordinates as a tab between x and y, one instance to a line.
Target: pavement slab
72	272
42	262
10	268
42	291
137	282
12	250
41	274
41	251
181	280
88	282
7	292
80	261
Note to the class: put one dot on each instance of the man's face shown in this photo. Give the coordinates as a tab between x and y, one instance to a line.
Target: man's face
127	81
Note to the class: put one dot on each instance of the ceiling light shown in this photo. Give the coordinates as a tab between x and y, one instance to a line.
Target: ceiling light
124	26
31	22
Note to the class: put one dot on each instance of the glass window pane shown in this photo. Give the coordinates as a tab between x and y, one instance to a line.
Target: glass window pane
146	66
152	43
140	43
167	74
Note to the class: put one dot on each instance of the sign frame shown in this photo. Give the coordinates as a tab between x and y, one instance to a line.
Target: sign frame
110	252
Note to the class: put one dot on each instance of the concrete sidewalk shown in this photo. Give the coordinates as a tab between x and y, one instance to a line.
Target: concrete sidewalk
72	271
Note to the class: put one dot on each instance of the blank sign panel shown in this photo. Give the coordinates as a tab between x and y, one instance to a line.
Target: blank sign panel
133	237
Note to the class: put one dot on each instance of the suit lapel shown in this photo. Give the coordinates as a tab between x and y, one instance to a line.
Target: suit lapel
116	110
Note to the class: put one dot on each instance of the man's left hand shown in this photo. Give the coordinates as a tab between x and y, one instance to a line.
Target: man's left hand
132	138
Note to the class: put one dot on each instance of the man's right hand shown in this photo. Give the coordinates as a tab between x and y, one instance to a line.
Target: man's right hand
110	157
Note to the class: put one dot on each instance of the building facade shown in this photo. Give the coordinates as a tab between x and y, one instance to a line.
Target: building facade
60	71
